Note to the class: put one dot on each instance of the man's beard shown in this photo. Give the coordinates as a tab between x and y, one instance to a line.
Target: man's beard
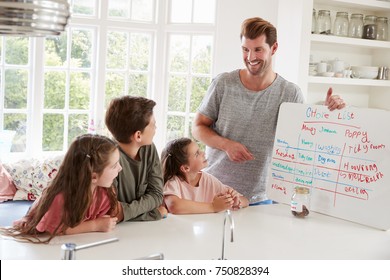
261	66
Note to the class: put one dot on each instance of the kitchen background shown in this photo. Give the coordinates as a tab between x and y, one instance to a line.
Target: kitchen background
298	48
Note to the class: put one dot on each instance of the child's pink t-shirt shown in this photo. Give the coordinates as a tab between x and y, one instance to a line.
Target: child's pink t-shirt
209	186
99	207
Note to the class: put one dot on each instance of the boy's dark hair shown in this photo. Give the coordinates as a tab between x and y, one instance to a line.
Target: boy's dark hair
128	114
254	27
173	156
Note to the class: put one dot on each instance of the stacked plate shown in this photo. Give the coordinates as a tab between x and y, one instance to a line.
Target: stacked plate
33	17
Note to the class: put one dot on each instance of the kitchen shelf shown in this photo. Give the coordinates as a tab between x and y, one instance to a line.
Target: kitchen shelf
354	51
368	5
347	41
346	81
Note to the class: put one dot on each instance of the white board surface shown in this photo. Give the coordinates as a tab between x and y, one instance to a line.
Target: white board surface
343	156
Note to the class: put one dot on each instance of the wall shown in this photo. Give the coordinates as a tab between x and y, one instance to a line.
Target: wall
230	15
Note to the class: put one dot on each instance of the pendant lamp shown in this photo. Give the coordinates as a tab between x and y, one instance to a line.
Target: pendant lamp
33	18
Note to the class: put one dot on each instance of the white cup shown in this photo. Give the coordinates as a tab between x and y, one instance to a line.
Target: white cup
323	67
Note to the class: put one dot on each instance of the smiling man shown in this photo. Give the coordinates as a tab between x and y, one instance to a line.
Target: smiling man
238	116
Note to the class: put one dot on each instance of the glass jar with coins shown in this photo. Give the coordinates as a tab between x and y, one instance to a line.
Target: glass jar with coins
300	202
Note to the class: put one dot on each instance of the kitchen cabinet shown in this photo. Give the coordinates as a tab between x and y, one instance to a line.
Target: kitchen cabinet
370	93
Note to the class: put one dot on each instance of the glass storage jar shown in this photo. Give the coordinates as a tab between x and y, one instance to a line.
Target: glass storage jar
383	29
341	23
355	29
300	202
313	21
370	27
323	22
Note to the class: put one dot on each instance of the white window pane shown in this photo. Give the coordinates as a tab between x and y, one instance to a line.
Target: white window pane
175	127
53	132
177	93
140	49
84	7
15	88
201	54
55	89
118	8
179	53
138	85
181	11
80	90
117	50
142	10
115	86
16	50
81	52
1	48
16	124
204	11
56	50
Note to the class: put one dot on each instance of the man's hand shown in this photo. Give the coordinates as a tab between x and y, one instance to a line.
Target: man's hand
334	101
237	152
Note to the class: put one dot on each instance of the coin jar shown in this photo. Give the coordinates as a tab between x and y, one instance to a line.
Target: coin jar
341	23
323	22
313	21
355	28
370	27
383	29
300	202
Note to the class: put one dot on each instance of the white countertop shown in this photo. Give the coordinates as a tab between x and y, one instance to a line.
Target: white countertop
261	232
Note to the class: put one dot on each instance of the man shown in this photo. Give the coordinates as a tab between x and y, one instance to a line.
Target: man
238	116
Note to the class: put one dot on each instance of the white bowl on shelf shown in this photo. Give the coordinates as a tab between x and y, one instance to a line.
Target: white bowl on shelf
327	74
364	72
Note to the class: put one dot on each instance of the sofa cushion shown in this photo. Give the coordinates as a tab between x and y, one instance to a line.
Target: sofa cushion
31	176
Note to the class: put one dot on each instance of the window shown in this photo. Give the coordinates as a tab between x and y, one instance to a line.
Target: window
55	88
189	76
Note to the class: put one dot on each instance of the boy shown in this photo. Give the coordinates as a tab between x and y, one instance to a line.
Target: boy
140	184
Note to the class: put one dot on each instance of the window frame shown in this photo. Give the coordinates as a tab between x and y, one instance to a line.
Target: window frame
100	22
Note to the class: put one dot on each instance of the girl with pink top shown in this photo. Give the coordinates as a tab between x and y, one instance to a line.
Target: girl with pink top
188	190
81	198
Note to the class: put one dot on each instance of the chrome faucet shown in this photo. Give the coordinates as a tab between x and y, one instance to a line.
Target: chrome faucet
69	249
158	256
228	214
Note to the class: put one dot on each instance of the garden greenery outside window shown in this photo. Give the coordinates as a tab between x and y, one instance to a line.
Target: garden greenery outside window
53	89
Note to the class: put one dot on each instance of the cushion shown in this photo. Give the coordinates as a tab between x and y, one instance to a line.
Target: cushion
7	187
32	176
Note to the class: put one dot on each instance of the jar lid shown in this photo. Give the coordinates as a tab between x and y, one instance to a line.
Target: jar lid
343	14
371	17
324	12
356	15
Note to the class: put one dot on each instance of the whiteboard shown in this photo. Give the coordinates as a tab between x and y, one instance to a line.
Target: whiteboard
342	156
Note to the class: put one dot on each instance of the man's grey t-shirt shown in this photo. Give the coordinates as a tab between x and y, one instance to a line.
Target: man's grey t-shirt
250	118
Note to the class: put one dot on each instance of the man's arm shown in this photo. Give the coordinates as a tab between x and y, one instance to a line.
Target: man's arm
202	131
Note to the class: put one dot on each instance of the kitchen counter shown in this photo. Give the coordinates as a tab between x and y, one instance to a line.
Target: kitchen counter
261	232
